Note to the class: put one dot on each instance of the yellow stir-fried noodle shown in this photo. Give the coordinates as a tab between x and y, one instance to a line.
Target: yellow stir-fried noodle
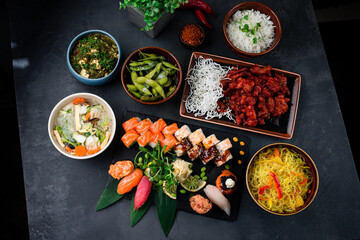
291	171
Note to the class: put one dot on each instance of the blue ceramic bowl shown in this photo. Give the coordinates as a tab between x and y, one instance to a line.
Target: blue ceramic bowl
89	81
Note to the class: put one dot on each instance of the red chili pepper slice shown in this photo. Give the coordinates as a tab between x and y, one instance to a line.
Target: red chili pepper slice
305	180
262	189
277	184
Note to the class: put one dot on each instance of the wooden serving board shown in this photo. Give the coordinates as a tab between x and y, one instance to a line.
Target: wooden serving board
212	171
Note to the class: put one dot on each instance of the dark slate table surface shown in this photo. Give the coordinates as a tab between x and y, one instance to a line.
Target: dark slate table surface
62	193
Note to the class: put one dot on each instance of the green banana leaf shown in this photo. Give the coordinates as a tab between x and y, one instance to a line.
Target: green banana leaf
166	210
109	196
136	215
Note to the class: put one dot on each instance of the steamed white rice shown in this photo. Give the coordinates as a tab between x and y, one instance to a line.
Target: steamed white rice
244	41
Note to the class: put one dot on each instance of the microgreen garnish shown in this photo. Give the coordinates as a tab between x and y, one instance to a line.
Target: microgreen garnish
250	30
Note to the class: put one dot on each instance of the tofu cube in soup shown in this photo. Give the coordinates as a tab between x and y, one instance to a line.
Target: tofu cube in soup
209	154
196	137
182	132
223	158
210	141
195	151
181	147
224	145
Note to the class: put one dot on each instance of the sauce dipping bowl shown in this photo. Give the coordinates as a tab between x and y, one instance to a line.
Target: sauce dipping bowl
92	98
89	81
309	162
188	45
126	76
263	9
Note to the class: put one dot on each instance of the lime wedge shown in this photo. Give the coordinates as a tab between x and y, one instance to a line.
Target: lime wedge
193	184
170	191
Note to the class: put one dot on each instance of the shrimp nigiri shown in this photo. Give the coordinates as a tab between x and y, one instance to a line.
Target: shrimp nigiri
121	169
130	181
216	197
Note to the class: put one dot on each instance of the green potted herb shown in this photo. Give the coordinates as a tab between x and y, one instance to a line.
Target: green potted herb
151	16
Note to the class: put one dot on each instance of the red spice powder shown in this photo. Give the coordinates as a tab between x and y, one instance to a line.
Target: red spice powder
191	34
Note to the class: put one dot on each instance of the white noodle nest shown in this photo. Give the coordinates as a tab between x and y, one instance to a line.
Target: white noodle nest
205	89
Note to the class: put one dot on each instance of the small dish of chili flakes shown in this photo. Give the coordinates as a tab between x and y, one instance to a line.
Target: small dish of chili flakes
191	35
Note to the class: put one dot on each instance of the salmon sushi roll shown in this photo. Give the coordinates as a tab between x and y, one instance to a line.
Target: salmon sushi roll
144	138
182	132
158	126
181	147
155	139
224	145
170	130
129	138
195	151
210	141
143	126
196	137
130	124
170	141
223	158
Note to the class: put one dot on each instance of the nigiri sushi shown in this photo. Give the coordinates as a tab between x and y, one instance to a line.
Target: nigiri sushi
130	124
158	126
181	147
216	197
144	138
196	137
210	141
223	145
169	141
155	139
143	126
130	181
142	192
182	132
129	138
121	169
170	130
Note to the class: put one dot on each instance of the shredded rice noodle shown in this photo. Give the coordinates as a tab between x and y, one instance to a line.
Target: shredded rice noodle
205	89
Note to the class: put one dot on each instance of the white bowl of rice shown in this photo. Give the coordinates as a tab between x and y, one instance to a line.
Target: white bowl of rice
251	29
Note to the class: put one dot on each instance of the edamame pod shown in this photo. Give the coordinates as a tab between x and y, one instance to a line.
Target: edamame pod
139	86
162	81
171	90
168	83
169	65
136	94
149	98
131	87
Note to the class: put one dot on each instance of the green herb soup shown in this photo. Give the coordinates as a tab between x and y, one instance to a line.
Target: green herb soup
94	56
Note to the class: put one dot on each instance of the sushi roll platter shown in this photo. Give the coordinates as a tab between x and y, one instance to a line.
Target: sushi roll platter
205	153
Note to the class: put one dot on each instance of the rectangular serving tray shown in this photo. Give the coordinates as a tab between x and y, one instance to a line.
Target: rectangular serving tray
282	127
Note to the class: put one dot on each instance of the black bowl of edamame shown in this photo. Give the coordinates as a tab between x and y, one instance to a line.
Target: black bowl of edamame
151	75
